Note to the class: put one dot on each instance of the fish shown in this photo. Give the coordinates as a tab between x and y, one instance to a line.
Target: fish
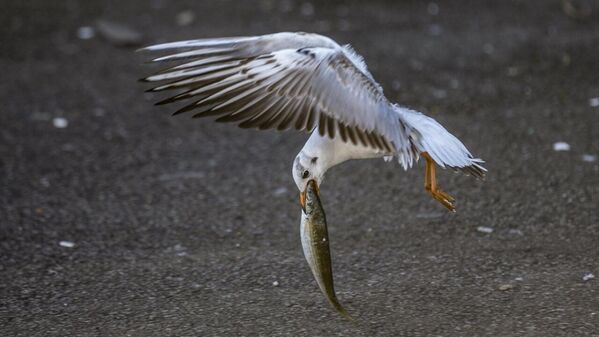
315	244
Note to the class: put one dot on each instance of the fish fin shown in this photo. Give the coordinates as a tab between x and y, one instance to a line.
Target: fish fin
343	312
335	302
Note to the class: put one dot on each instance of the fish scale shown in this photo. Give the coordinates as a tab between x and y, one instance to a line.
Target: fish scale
315	243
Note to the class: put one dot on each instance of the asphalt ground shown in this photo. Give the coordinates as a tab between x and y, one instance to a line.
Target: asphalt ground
119	220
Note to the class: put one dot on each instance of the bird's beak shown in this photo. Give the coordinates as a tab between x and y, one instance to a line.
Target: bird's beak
303	200
303	195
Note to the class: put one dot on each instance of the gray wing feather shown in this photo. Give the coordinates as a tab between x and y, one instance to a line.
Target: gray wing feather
285	80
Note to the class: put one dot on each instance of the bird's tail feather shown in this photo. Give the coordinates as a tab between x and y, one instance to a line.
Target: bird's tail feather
427	135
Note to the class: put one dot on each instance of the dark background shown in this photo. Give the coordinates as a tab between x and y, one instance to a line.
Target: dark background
181	227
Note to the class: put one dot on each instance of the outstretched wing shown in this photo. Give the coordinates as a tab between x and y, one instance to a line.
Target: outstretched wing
281	81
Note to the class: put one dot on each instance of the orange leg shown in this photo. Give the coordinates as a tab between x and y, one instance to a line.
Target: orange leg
430	184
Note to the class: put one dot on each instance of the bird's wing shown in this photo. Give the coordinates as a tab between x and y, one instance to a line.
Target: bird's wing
285	80
240	47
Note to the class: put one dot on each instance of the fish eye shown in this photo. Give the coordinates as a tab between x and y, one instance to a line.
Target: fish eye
306	174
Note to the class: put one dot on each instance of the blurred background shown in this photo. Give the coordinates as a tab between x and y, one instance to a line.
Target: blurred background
119	220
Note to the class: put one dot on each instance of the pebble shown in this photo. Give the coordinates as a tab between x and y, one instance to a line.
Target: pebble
588	277
118	34
60	122
432	8
454	83
513	231
45	182
275	283
280	191
435	30
488	48
589	158
505	287
484	229
185	18
86	32
99	112
513	71
68	147
561	146
439	93
66	244
594	102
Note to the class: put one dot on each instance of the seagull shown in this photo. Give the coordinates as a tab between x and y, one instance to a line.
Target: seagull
307	82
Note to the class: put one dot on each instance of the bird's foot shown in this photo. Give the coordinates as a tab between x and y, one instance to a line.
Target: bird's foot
430	184
444	198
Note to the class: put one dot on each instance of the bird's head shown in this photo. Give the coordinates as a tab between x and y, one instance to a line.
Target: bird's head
306	168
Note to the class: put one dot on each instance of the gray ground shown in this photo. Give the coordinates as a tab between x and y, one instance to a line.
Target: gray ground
181	227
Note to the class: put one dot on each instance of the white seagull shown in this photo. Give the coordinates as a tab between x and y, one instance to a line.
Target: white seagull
308	82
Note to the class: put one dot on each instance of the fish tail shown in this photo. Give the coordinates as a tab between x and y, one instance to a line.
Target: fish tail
344	313
341	309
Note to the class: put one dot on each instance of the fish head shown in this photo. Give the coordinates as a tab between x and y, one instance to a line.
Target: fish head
310	197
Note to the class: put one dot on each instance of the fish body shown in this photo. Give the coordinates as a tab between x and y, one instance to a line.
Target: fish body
315	243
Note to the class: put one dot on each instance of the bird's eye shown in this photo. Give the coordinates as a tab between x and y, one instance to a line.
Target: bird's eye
306	174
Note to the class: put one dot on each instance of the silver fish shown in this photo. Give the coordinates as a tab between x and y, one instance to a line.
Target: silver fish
315	242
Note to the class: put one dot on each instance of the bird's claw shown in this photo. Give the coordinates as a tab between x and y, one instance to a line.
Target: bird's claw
444	198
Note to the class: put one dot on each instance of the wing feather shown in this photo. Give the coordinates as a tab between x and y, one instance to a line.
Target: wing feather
284	80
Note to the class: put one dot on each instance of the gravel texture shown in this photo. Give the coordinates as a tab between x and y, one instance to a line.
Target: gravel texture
119	220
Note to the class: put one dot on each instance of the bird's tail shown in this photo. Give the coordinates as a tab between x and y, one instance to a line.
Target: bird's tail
446	150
